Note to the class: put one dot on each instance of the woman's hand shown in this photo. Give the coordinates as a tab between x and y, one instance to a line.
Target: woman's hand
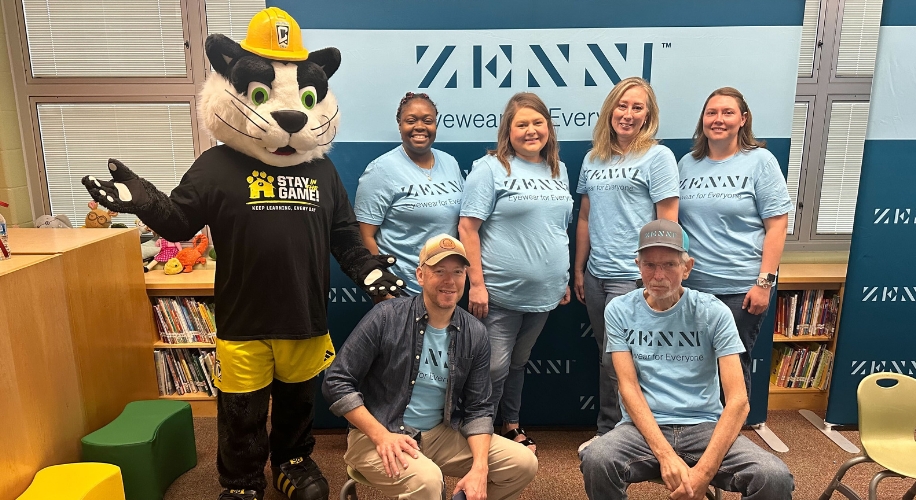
579	285
756	300
478	301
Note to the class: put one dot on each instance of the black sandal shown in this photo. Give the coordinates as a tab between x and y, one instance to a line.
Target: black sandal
511	434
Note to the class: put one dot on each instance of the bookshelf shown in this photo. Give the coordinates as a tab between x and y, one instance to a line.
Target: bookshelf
195	284
800	277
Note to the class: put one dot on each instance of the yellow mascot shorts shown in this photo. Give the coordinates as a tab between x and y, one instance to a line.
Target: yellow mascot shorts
249	365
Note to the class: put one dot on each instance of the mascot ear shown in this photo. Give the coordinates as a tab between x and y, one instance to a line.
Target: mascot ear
222	51
328	59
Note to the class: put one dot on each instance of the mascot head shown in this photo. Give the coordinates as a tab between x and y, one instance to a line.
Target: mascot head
268	96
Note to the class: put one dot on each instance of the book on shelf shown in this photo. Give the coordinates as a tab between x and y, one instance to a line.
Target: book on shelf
801	365
806	313
185	371
183	320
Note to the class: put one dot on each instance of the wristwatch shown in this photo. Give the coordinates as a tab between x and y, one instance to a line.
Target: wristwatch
766	280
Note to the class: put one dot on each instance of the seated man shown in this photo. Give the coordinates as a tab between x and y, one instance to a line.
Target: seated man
668	345
413	379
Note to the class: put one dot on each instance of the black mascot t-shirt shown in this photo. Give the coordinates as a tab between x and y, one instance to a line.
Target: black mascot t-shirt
257	215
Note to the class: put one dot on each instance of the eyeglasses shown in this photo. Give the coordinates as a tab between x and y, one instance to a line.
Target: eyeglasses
664	266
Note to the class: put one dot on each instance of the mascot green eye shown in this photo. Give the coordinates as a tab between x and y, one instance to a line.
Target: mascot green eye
258	93
309	98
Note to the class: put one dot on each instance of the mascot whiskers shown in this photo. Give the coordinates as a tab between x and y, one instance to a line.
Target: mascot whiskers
277	210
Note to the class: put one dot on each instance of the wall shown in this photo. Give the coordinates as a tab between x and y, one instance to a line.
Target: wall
14	185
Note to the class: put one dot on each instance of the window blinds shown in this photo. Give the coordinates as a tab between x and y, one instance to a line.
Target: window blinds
842	165
153	140
231	17
105	38
808	39
796	151
859	38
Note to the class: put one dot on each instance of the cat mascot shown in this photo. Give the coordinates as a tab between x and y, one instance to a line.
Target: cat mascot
277	210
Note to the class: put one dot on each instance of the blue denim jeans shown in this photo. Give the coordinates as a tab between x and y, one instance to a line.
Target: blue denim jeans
622	456
512	336
748	328
598	292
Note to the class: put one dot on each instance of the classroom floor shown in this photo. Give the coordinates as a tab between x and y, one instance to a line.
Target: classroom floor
812	458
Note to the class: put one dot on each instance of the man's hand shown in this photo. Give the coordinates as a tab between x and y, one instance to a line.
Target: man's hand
756	300
391	449
675	472
565	299
479	301
694	488
474	484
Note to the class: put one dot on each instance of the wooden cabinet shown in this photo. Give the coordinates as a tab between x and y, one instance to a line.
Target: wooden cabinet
198	283
807	277
74	344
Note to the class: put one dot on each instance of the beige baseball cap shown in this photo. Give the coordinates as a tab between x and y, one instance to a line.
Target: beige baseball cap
439	247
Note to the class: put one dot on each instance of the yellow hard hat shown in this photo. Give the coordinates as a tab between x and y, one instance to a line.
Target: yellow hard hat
274	34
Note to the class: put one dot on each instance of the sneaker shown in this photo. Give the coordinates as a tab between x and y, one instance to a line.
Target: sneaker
240	495
584	445
301	479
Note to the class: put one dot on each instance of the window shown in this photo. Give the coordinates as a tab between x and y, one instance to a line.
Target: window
834	83
231	17
796	152
72	39
842	165
153	140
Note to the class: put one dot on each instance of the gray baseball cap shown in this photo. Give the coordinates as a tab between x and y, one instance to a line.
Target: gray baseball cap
663	233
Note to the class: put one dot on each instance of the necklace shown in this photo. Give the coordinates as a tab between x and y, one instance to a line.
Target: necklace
428	172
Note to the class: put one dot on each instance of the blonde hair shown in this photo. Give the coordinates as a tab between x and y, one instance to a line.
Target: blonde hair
746	139
504	150
604	139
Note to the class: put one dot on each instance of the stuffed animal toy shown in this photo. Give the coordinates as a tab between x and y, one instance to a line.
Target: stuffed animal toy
166	250
188	257
277	210
57	222
98	218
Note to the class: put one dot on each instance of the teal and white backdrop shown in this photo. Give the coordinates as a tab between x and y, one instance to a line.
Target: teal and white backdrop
471	56
877	332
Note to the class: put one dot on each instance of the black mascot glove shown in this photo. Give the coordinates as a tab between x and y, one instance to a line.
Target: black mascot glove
124	193
375	278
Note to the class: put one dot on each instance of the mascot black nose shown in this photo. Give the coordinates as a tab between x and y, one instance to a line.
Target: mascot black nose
292	121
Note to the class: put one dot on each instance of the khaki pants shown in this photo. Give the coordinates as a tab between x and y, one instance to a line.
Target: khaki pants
443	451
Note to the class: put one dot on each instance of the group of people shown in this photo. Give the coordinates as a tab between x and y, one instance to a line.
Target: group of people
422	381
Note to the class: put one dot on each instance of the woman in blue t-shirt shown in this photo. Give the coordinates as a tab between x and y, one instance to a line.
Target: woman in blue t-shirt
410	193
514	217
627	180
734	205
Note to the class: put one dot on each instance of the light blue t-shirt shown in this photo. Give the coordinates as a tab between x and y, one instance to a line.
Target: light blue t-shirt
409	208
722	207
675	352
524	247
426	408
622	194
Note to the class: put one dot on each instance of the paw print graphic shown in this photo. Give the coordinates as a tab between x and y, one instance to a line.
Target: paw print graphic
260	185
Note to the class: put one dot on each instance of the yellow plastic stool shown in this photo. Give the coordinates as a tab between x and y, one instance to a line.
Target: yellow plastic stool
80	481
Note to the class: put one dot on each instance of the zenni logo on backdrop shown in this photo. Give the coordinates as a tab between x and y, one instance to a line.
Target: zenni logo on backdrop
562	64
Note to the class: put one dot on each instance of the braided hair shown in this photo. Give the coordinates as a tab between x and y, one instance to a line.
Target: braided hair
409	97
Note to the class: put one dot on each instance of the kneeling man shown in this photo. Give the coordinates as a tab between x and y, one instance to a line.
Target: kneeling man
669	345
413	380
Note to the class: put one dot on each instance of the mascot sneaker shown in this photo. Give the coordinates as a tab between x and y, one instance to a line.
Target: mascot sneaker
240	495
301	479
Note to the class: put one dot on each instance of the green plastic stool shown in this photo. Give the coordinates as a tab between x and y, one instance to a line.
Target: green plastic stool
151	441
